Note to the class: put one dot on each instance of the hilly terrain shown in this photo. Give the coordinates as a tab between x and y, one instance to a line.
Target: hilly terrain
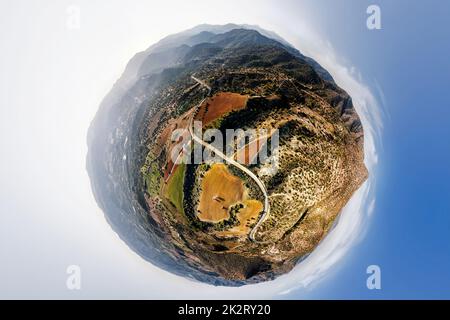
225	223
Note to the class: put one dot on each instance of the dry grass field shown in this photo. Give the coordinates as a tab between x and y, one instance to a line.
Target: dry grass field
219	105
220	190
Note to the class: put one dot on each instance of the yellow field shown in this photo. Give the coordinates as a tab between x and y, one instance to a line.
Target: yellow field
220	190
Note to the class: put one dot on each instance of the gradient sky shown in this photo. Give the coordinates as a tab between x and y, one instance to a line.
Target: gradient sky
52	79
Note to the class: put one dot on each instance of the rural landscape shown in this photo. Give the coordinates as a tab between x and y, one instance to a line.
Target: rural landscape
254	208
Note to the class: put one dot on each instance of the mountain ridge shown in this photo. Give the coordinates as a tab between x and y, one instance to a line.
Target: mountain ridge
280	84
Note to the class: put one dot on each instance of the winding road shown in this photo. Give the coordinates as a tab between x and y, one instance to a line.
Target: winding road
231	162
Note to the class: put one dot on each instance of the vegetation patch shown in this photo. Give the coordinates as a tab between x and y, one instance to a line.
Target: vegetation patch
174	187
220	190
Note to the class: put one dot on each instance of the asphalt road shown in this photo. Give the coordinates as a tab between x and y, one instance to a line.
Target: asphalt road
231	161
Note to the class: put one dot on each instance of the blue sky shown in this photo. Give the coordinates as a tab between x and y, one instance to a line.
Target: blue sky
409	232
54	78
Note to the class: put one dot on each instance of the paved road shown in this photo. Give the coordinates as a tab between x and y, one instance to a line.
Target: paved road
234	163
185	148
